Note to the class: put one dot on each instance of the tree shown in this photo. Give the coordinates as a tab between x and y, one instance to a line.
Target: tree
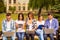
2	7
12	9
39	4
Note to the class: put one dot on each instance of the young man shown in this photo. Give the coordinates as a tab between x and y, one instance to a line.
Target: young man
8	25
51	23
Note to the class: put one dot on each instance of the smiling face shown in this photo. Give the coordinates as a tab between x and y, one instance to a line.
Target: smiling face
8	17
30	15
21	17
40	18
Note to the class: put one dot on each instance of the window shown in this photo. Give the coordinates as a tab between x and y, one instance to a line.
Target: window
14	1
12	8
9	7
19	7
9	1
23	7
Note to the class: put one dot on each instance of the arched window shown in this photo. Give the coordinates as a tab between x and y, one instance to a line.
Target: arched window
23	7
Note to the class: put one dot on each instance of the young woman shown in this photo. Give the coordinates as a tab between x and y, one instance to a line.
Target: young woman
30	23
20	23
40	26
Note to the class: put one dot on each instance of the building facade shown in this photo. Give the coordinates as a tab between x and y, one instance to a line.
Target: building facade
19	5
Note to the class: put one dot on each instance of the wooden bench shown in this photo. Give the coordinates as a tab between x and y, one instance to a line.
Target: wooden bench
36	37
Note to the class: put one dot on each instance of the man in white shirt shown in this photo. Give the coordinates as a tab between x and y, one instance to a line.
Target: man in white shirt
8	25
51	23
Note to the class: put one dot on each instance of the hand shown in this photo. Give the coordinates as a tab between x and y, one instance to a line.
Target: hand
43	28
33	29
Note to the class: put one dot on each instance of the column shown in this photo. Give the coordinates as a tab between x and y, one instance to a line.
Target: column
12	2
26	7
7	7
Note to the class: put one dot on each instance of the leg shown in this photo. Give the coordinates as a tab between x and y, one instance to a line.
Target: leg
27	36
22	36
45	36
40	34
51	37
5	38
18	35
13	37
32	36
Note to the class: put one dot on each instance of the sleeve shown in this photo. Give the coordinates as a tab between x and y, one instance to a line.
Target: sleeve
3	26
14	26
45	24
56	24
34	23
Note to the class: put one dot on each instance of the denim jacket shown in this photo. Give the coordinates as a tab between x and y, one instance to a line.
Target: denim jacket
54	24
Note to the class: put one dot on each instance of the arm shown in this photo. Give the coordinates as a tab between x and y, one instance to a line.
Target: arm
45	24
24	26
3	27
35	24
16	25
56	25
35	28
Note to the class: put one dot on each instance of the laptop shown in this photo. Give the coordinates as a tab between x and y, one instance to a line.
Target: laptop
49	31
8	34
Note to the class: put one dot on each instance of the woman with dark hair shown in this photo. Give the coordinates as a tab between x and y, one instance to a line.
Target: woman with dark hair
31	24
40	26
20	23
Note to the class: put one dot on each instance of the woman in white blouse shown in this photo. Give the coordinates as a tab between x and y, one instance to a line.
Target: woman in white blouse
40	26
20	23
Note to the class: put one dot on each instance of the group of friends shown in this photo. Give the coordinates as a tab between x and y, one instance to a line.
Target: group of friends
29	27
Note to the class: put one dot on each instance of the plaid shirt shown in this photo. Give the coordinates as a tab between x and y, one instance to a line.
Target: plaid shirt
4	26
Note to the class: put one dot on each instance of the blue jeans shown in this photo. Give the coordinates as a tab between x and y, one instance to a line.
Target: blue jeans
12	37
40	34
50	35
20	35
5	38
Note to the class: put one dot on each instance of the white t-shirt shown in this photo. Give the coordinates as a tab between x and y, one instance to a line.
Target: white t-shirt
50	24
20	24
8	26
40	23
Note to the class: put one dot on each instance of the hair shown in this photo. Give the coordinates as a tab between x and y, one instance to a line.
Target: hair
39	16
19	16
50	13
31	14
8	14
